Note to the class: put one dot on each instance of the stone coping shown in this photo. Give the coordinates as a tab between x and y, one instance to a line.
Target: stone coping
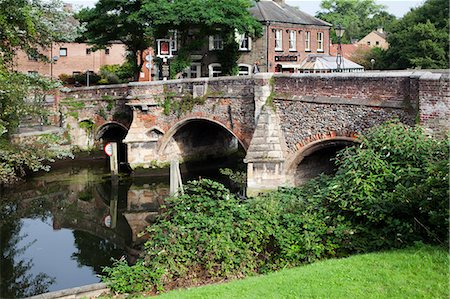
87	291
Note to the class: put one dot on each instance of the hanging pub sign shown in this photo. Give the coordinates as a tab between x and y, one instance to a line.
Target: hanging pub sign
287	58
164	48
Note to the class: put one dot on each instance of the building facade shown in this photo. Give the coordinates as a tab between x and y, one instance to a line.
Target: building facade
376	38
289	36
70	59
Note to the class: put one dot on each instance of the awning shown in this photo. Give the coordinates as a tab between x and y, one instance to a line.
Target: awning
289	66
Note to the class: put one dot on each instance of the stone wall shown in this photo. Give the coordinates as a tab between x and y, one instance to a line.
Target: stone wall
434	110
306	110
226	101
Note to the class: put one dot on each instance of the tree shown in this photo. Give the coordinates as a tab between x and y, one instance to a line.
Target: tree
30	26
420	39
358	17
118	20
137	23
195	20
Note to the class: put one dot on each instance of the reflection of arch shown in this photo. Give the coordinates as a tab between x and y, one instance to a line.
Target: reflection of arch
314	146
174	129
111	125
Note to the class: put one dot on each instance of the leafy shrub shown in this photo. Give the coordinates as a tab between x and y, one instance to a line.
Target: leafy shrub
390	191
66	79
82	78
209	233
126	279
394	187
115	73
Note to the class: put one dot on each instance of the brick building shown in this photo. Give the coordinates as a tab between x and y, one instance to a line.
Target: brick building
70	59
376	38
289	36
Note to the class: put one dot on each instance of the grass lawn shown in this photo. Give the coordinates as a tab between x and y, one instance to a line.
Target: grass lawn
419	272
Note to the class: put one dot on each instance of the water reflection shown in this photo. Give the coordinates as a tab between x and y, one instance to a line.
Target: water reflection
60	229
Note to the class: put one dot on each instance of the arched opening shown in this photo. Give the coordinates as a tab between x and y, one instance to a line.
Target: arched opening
319	158
204	147
115	132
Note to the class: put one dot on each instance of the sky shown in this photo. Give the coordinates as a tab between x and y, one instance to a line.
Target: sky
395	7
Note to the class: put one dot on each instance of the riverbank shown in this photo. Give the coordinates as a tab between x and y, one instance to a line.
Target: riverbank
415	272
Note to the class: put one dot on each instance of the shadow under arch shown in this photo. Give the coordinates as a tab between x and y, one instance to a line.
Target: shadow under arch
172	132
316	157
111	131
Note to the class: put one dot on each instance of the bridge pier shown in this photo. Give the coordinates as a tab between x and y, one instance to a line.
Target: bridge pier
142	148
265	156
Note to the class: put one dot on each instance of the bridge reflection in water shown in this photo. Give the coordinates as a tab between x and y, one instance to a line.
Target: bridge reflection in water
60	229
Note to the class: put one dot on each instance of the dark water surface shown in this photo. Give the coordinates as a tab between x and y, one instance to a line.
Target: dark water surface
60	228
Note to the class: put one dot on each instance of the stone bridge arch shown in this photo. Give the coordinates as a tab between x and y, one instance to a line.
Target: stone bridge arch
315	157
111	131
168	147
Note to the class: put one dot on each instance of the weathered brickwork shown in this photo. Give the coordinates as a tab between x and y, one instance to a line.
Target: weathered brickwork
304	122
304	112
434	94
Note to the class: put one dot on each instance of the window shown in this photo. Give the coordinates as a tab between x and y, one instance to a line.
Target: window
88	51
215	69
307	41
107	51
377	43
368	43
319	41
215	42
194	71
33	54
63	52
245	42
32	73
278	40
76	73
173	40
292	40
244	69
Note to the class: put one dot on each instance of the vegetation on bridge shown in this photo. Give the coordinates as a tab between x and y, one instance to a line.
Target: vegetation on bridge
390	191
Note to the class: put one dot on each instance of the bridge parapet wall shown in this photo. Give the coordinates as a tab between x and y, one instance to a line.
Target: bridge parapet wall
434	97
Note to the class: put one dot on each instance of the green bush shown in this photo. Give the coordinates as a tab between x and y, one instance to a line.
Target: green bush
82	78
390	191
115	73
394	187
209	233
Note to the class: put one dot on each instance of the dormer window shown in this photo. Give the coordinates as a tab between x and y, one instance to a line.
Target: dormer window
215	42
245	42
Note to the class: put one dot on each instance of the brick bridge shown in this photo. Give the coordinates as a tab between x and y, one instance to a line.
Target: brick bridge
278	120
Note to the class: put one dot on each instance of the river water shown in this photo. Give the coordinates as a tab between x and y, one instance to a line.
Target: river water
59	229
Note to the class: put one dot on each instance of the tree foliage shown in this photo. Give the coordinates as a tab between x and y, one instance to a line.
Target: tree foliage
32	25
118	20
138	23
358	17
421	39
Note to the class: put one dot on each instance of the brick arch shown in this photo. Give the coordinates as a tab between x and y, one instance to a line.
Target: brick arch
100	131
174	129
316	142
